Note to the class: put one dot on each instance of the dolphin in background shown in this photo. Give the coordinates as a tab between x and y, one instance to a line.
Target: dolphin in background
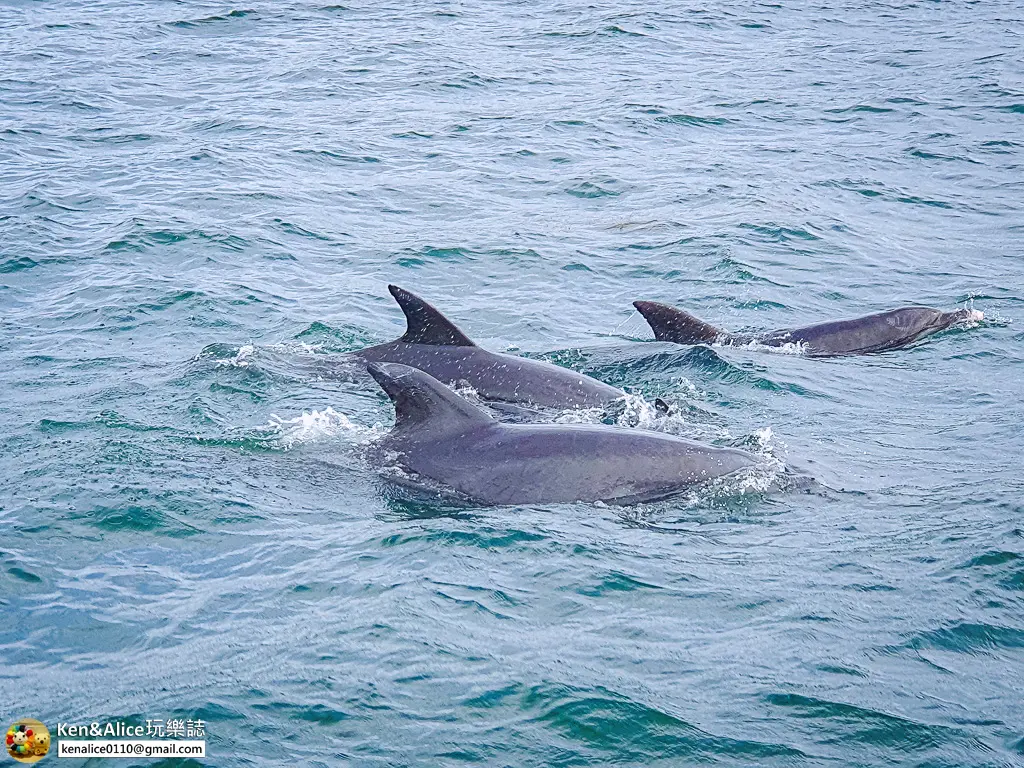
440	437
872	333
433	344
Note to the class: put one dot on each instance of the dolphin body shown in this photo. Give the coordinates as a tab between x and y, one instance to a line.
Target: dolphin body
433	344
441	437
863	335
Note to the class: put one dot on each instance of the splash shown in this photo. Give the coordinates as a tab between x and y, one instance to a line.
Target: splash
314	426
764	437
637	412
579	416
297	347
974	316
769	449
242	358
766	475
466	391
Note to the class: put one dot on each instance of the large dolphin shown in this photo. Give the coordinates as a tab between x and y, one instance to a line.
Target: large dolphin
440	437
872	333
433	344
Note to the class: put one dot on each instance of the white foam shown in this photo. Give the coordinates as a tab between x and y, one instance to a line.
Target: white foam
789	348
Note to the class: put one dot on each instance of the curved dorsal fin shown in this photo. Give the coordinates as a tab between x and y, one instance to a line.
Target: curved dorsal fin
425	325
423	401
671	324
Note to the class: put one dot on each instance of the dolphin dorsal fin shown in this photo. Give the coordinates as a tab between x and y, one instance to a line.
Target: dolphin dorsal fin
423	401
671	324
425	325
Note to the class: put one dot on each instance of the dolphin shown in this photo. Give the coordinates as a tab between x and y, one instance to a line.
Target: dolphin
440	437
433	344
860	336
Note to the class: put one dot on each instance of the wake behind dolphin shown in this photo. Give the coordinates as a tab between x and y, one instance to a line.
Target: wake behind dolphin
433	344
440	437
863	335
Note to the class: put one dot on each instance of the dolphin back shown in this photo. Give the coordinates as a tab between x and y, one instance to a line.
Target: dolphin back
434	345
872	333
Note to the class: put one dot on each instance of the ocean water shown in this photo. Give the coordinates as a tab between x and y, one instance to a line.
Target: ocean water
201	207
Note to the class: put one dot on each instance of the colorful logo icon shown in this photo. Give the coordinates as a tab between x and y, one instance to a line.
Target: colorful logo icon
28	741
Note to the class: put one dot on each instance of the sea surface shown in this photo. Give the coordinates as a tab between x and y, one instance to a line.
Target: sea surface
201	206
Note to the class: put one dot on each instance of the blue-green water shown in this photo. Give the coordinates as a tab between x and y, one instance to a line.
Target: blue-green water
201	207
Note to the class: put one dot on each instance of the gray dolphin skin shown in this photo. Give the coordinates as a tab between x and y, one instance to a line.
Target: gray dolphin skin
433	344
863	335
441	437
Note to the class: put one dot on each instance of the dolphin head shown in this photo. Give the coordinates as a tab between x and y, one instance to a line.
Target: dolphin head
926	320
423	401
914	319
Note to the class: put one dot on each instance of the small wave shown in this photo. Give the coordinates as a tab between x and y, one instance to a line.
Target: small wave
859	108
628	730
992	557
591	190
695	120
868	726
423	256
969	637
220	19
17	264
141	239
328	156
708	361
776	233
295	229
321	337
